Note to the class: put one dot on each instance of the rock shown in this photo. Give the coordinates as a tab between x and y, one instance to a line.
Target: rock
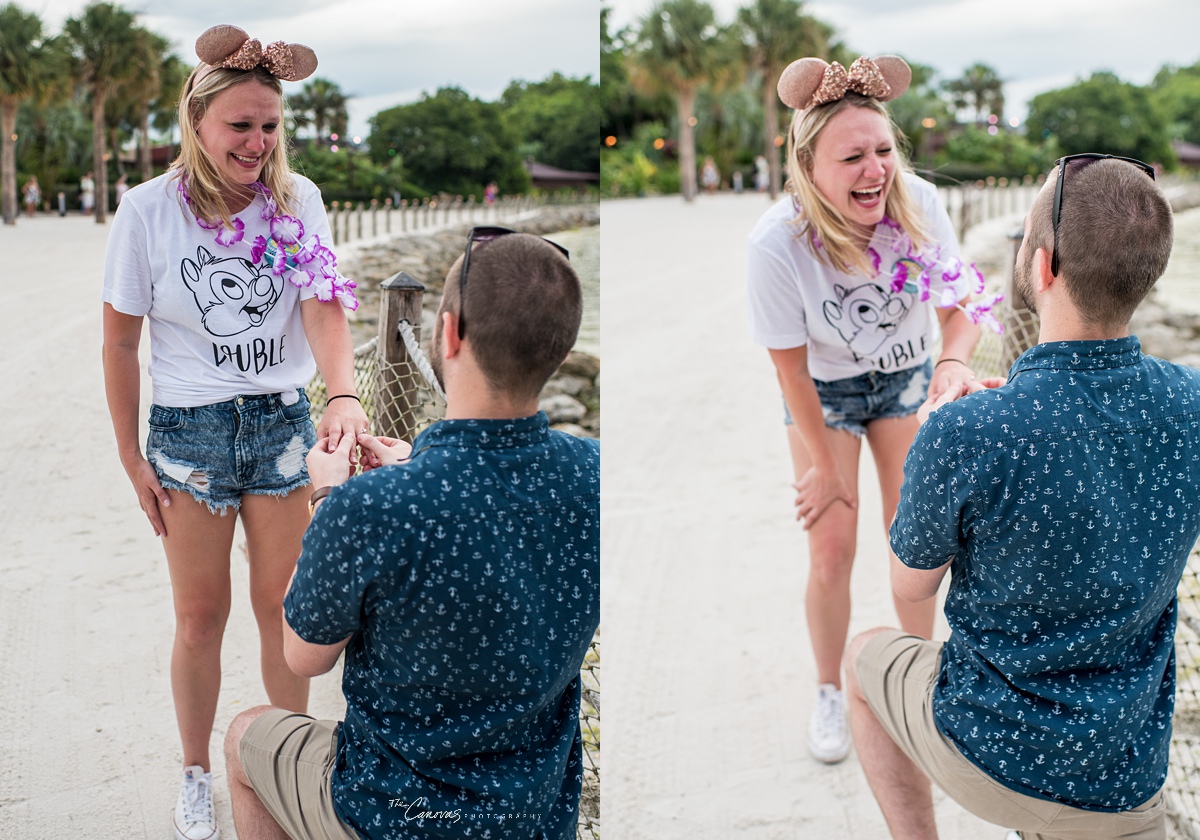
580	364
567	384
562	409
1191	359
1160	340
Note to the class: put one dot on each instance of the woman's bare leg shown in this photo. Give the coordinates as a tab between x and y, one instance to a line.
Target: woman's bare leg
832	541
197	549
274	528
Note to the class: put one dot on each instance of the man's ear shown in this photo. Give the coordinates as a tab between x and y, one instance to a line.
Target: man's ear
451	343
1042	277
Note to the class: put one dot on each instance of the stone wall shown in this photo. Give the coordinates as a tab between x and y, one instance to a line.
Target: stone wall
571	398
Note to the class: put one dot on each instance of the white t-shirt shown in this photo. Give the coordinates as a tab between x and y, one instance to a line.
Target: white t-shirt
220	325
851	323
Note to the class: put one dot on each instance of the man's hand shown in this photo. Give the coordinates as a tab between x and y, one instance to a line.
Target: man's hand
954	391
329	469
382	451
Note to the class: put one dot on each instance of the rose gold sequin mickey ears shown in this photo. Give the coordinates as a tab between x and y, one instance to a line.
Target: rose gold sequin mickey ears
230	47
808	82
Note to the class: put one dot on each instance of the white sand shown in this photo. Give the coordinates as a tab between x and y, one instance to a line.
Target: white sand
91	748
708	671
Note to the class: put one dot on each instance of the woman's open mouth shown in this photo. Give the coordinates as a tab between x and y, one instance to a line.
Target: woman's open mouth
868	197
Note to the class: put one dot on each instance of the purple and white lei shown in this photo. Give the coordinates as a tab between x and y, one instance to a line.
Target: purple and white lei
921	272
303	262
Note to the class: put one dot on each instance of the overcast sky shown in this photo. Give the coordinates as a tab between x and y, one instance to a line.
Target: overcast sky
1034	45
387	52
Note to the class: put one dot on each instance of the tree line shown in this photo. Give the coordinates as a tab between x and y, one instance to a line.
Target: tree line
71	101
679	84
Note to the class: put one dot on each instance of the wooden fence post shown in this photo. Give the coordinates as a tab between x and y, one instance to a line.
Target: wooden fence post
397	410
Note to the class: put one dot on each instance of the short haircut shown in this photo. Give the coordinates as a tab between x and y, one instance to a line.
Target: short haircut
523	310
1115	232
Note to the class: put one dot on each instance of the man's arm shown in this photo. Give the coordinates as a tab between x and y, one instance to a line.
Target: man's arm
326	469
914	585
307	659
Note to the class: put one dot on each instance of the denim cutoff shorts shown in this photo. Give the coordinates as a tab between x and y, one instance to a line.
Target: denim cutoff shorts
850	404
251	444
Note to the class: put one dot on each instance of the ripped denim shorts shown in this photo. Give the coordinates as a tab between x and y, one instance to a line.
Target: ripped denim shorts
850	404
251	444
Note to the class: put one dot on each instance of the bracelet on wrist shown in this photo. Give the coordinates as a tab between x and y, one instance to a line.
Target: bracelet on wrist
317	495
340	396
943	361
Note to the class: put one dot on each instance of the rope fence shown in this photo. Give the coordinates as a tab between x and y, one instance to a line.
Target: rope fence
401	397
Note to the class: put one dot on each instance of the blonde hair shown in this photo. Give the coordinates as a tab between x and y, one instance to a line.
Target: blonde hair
839	243
204	178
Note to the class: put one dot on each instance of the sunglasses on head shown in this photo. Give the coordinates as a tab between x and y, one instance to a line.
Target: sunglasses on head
485	234
1062	163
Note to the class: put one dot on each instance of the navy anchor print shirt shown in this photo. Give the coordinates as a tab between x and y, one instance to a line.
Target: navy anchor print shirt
1069	500
469	577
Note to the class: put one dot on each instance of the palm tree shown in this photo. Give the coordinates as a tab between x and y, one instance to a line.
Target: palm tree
980	89
172	74
679	47
30	66
774	34
103	42
320	104
145	86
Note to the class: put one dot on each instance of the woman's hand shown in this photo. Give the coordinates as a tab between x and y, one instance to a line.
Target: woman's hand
382	451
342	418
947	374
150	493
816	491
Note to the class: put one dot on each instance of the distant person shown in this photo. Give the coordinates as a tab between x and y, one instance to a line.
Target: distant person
762	174
738	183
87	194
710	175
122	187
461	578
1064	505
33	196
237	330
62	203
843	273
490	192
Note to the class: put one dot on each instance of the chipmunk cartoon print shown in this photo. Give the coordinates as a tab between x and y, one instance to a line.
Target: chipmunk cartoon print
233	294
865	316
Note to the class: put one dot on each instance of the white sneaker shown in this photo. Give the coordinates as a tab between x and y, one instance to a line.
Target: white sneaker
828	732
1012	835
195	817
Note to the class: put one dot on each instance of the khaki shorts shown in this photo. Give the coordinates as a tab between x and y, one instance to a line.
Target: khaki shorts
897	674
289	759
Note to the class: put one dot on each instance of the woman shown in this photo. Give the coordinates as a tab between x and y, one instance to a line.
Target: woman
223	254
33	196
841	274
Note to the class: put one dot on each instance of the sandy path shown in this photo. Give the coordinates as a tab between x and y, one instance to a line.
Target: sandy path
708	673
85	601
